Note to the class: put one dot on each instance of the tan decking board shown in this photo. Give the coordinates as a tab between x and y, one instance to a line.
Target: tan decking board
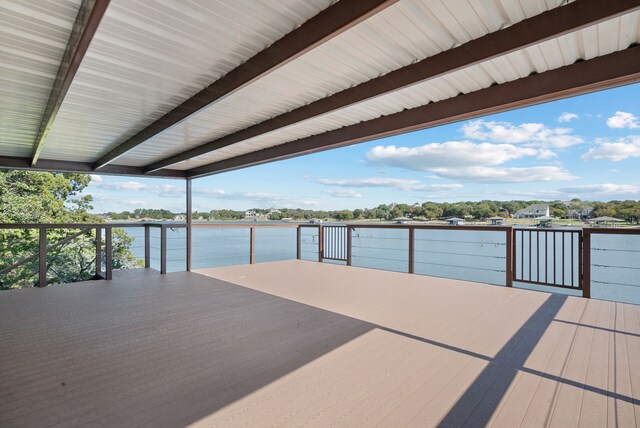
302	343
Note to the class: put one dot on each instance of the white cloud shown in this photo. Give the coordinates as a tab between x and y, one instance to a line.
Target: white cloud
162	190
605	189
449	154
567	117
397	183
344	193
506	175
96	178
308	203
623	119
616	150
531	134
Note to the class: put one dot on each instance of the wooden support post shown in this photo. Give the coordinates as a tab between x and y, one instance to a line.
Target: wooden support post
42	258
349	245
299	242
163	249
411	249
509	259
147	246
99	251
585	250
320	243
189	222
109	254
252	245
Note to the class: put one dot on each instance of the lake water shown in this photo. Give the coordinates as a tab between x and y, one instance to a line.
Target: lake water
467	255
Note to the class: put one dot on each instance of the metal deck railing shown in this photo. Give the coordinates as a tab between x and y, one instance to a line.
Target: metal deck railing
556	257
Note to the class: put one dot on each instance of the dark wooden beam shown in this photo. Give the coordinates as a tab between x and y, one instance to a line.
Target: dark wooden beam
616	69
89	16
327	24
545	26
10	162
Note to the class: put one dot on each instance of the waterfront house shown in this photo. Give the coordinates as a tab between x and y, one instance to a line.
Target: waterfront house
580	213
533	211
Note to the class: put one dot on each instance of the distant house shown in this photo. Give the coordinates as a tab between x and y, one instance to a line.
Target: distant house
573	214
250	214
180	217
585	212
533	211
582	213
455	221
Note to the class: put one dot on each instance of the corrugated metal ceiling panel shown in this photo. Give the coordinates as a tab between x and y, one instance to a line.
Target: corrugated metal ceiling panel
545	56
33	37
405	33
149	56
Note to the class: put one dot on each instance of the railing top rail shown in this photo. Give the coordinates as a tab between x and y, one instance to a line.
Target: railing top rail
487	228
237	225
612	230
550	229
568	229
85	225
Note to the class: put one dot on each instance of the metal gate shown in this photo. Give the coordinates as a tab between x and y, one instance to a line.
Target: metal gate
548	257
334	242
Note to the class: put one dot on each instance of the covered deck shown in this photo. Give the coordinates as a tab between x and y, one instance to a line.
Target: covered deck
296	342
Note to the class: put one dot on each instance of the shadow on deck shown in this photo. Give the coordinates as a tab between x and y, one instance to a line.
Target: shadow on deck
295	342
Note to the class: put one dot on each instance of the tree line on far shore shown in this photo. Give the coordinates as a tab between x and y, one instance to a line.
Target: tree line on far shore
626	210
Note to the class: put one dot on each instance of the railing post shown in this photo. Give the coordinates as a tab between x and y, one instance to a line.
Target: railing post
585	250
411	249
147	246
320	243
42	258
163	249
189	222
299	242
252	245
108	254
99	251
349	245
509	250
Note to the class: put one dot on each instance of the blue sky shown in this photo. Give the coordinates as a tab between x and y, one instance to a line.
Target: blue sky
586	147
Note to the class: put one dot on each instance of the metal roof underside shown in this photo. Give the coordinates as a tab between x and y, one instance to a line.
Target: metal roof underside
191	88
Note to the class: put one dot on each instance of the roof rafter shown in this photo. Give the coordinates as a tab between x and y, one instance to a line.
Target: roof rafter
608	71
11	162
87	21
539	28
324	26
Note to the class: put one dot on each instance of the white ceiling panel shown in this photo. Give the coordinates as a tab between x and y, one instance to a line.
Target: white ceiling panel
33	37
149	56
542	57
402	34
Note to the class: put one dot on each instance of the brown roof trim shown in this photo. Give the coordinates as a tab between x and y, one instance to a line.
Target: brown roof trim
87	21
11	162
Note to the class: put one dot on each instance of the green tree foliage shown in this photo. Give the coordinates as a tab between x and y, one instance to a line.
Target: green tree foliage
42	197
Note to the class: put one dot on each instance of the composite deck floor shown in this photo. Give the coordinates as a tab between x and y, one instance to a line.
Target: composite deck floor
302	343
